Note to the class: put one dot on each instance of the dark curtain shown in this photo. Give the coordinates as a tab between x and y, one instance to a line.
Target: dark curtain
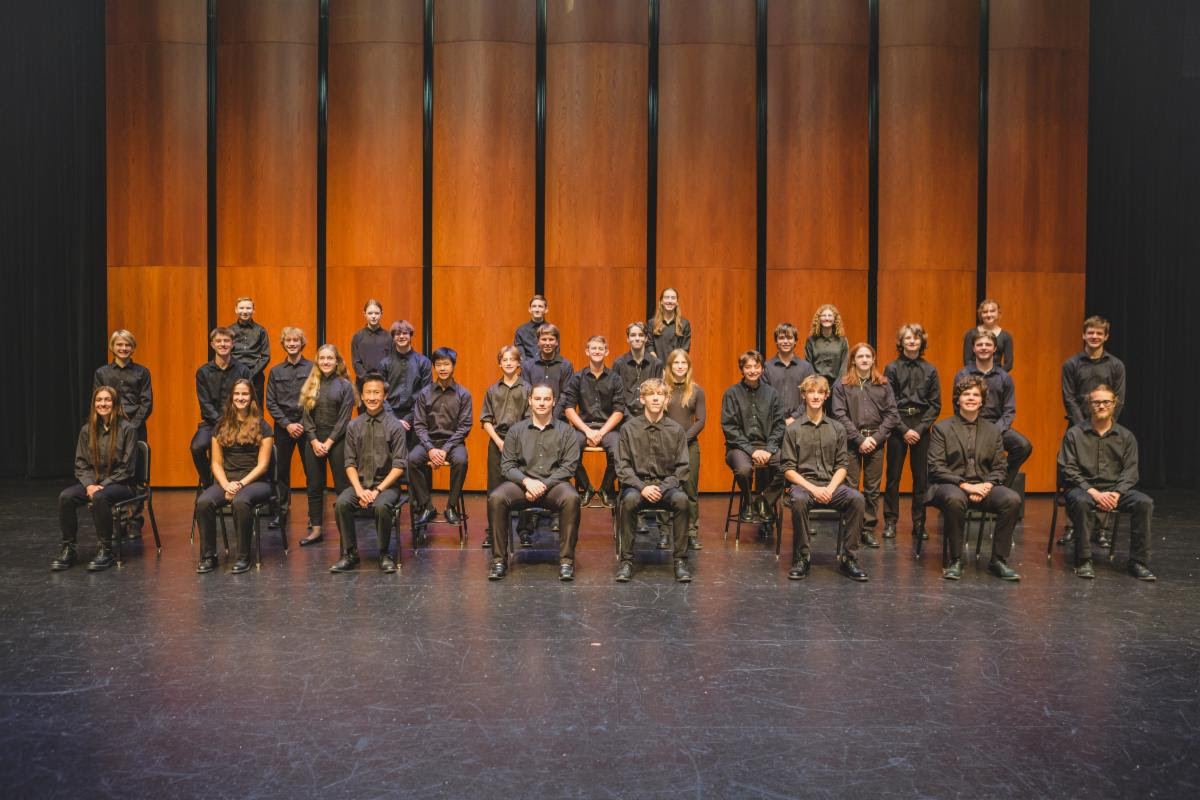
52	235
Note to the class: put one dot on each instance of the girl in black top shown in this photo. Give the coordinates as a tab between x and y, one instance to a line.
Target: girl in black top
826	348
687	408
988	318
241	456
668	329
104	467
326	401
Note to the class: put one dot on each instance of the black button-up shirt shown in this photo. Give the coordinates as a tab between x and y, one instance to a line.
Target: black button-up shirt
330	415
692	416
676	335
828	355
594	397
785	380
407	374
652	454
549	454
121	470
442	416
368	349
864	406
816	450
751	418
251	346
213	386
132	382
525	339
504	405
633	373
1081	374
1000	405
556	372
283	390
375	445
1107	463
915	383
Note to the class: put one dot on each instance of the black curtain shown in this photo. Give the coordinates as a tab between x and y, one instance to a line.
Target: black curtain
1143	243
52	229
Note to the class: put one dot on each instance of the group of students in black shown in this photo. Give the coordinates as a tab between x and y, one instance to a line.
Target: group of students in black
819	427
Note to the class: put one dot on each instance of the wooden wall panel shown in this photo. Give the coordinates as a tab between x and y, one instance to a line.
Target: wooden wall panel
483	177
597	64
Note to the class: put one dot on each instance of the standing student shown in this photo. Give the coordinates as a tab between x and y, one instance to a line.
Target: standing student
214	381
686	406
594	405
505	403
668	329
826	347
251	345
1085	371
132	381
241	456
370	344
865	405
284	385
753	426
441	422
636	366
549	366
785	372
525	338
105	455
326	401
407	373
919	401
1000	402
987	317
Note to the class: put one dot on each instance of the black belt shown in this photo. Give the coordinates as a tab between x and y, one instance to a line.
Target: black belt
912	411
867	431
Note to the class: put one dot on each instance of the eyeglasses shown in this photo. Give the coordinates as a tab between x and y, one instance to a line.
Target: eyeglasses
1101	403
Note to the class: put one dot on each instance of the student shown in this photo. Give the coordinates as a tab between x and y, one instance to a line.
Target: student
326	402
549	366
686	406
636	366
525	338
1000	403
594	405
668	329
919	401
539	456
376	455
814	461
370	344
1099	464
241	456
251	345
505	403
132	381
284	384
214	381
441	422
1085	371
407	373
966	465
988	318
826	347
652	464
863	402
753	425
105	454
785	372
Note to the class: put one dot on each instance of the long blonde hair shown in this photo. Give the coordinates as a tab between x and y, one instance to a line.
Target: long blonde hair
837	321
230	430
658	322
689	386
312	386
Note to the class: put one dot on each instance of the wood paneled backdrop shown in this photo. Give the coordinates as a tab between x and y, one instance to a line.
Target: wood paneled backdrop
483	215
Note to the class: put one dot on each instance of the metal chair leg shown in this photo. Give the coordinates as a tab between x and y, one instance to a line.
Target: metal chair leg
154	523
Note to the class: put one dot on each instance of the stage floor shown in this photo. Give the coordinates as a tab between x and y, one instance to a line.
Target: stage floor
152	681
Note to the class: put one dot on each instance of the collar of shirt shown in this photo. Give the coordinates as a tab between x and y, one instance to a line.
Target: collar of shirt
1090	428
246	324
1085	358
554	359
966	421
450	387
806	420
537	427
603	372
750	388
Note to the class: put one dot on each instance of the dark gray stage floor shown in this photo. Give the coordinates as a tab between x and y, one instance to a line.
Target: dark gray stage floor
151	681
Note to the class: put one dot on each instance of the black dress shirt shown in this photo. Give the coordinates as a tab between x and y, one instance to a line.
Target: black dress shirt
555	371
1107	463
915	383
368	349
549	454
594	398
828	355
407	374
675	336
283	390
1004	349
1081	374
251	346
652	454
816	450
525	339
785	380
239	460
132	382
213	386
504	405
865	406
633	373
330	415
442	416
692	416
1000	406
375	445
122	468
751	418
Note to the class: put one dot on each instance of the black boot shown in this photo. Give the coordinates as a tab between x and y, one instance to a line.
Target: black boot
66	559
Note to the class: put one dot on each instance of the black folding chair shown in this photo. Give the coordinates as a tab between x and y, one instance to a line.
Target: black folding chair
124	511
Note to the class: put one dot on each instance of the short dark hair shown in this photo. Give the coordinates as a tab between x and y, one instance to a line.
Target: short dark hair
444	354
220	330
980	333
372	377
1095	321
401	326
543	385
547	327
749	355
970	382
785	327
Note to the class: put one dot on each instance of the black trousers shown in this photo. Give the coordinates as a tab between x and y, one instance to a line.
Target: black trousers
870	466
285	447
347	506
508	497
314	476
632	501
918	467
743	470
1139	506
1017	450
609	481
213	498
201	457
692	487
420	475
849	502
75	496
953	503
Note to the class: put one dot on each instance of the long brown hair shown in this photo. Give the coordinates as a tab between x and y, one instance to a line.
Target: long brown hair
851	376
689	386
230	430
103	464
658	322
312	386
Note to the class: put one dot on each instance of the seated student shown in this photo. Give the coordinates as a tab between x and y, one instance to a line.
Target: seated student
104	468
863	402
327	400
753	425
987	317
1000	402
549	366
505	404
241	456
539	457
407	372
251	345
441	422
966	464
376	455
687	407
1085	371
785	371
370	344
1099	463
826	347
214	381
284	384
594	405
132	381
668	329
636	366
525	338
814	460
652	465
919	401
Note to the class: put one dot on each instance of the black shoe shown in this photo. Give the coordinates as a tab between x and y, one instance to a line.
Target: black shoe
664	541
387	564
889	530
1085	569
1103	541
275	522
1002	570
954	571
206	564
66	559
451	516
103	560
747	514
566	571
553	527
526	538
241	565
868	540
924	534
1067	537
799	570
765	512
1138	570
420	537
346	563
133	531
624	572
310	539
849	567
682	573
694	543
608	499
424	518
497	571
487	541
585	497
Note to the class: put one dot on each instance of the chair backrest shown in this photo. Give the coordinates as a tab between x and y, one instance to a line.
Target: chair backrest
273	467
141	468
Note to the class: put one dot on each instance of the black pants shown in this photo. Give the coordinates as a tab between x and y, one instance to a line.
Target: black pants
870	466
508	497
953	503
692	487
672	500
1017	450
346	508
314	476
918	467
609	481
845	500
213	498
1140	507
743	470
201	456
285	446
420	476
75	496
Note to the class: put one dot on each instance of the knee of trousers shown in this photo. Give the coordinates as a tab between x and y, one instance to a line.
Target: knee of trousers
630	501
857	500
955	503
205	506
66	499
1143	503
742	473
496	502
343	506
679	501
571	501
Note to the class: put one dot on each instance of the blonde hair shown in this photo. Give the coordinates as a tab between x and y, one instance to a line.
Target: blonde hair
689	386
312	386
838	330
121	333
290	331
